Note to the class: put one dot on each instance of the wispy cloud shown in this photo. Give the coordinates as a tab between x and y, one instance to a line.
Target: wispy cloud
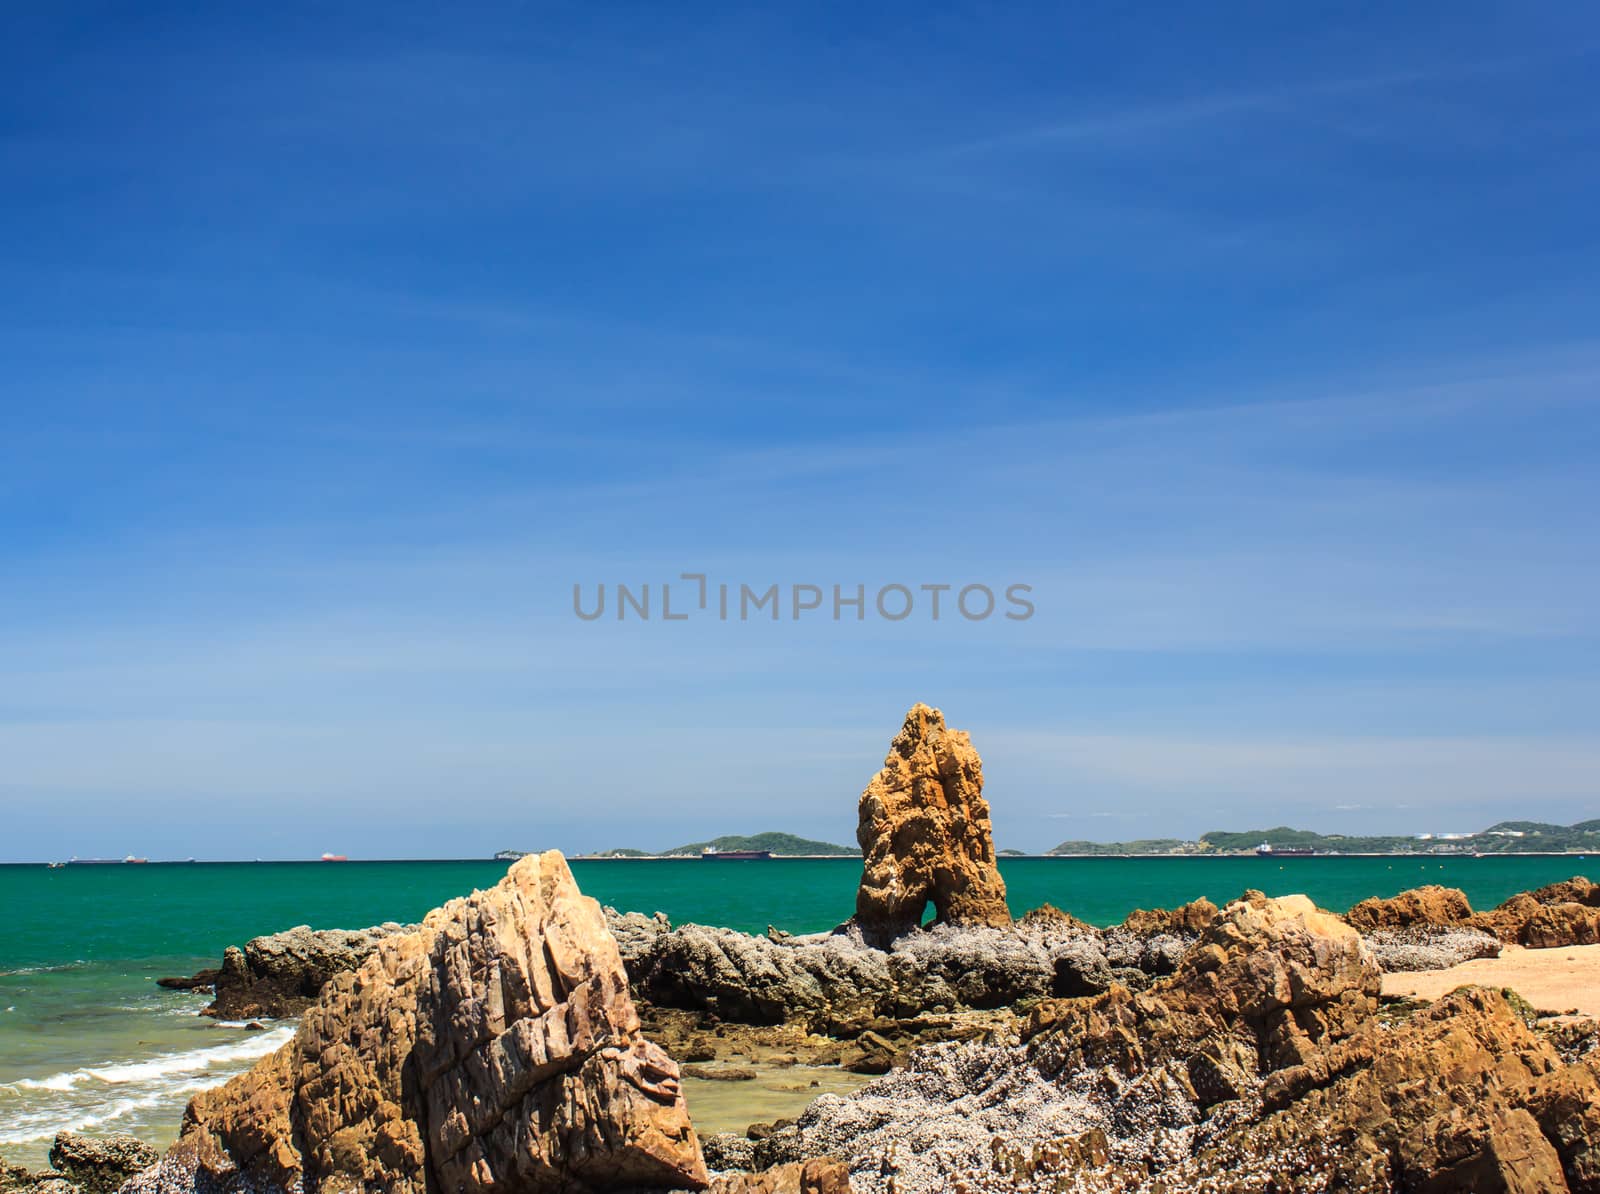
1117	126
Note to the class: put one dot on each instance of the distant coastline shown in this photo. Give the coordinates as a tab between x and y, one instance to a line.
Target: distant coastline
772	843
1527	839
1503	837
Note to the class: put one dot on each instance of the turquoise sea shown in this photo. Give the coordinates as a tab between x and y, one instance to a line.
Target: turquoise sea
87	1040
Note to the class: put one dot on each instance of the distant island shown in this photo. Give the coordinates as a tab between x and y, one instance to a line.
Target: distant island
779	845
1506	837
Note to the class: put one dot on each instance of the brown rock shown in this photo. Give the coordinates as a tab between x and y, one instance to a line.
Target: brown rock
821	1175
1049	916
925	836
1576	890
1566	913
1263	986
1259	1067
1192	917
96	1165
1464	1096
496	1048
1430	905
1566	1103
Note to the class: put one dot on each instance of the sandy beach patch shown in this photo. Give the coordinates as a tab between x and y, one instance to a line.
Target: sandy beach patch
1557	980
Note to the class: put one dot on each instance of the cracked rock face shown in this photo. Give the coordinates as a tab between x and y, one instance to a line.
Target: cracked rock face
925	835
496	1048
1259	1066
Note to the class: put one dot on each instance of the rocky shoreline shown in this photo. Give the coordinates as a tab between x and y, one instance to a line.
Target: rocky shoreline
525	1039
1246	1032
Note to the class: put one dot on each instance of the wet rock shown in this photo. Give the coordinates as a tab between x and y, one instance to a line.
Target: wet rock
925	835
723	1073
203	980
496	1047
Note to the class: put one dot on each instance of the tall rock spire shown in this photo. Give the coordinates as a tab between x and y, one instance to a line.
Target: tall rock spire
925	836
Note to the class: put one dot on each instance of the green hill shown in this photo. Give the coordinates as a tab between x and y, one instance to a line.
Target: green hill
1505	837
1539	827
1148	845
780	844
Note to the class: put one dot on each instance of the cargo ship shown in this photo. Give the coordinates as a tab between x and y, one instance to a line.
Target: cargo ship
734	855
104	861
335	858
1267	850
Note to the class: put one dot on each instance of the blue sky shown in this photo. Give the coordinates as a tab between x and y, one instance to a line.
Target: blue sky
338	343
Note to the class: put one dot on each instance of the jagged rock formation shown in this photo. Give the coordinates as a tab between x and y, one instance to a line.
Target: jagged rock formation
281	974
822	1175
1561	914
100	1166
924	835
636	934
1193	918
835	980
1558	915
1259	1065
82	1165
495	1048
1430	905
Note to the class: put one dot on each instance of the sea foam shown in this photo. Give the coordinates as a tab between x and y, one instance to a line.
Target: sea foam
162	1066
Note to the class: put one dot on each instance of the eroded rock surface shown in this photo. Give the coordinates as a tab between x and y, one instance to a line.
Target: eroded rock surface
822	1175
925	835
495	1048
1562	914
1430	905
99	1165
832	980
281	974
1259	1065
82	1165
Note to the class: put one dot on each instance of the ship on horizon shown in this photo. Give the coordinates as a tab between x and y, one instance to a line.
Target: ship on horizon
735	855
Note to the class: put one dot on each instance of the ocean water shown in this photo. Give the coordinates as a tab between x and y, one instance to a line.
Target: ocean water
87	1041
